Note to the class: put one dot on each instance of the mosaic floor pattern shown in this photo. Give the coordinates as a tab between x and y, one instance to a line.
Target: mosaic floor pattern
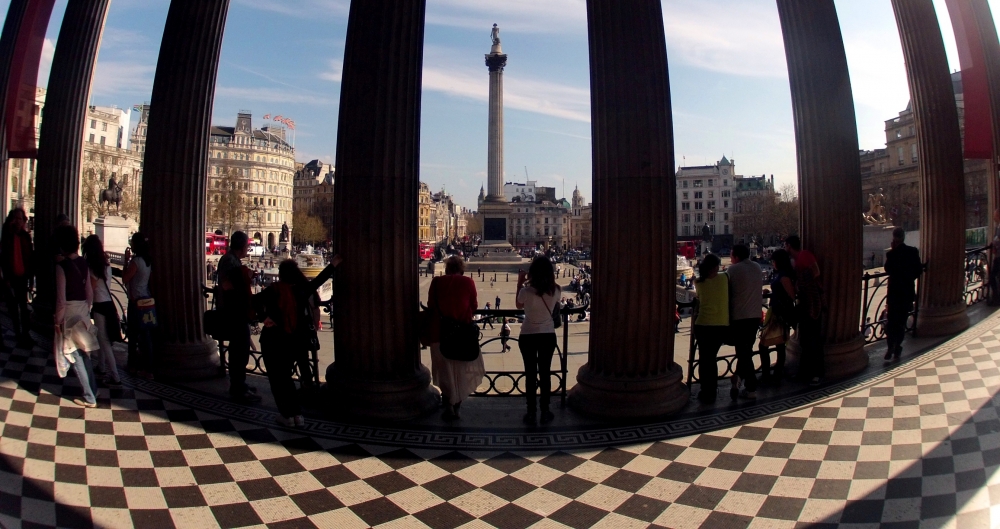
917	447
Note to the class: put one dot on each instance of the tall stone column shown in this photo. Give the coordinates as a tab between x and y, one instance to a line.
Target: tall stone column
377	371
987	30
826	138
60	139
174	183
630	370
942	178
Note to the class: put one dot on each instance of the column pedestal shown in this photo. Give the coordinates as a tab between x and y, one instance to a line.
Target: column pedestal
628	398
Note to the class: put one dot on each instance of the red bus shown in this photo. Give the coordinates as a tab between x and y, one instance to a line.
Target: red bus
426	251
215	244
687	249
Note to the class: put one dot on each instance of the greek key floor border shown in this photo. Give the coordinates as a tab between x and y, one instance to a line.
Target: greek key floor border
564	438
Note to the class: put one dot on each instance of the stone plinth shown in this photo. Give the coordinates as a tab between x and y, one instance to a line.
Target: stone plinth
876	240
114	233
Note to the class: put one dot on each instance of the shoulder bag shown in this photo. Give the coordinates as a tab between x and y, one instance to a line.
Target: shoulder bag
556	315
459	340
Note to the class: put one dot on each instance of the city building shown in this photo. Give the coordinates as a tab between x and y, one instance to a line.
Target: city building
705	198
106	156
896	171
538	219
581	232
251	177
307	177
322	200
751	196
446	218
424	214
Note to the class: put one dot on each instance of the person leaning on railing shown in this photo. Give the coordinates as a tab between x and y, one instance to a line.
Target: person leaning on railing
538	295
781	307
712	290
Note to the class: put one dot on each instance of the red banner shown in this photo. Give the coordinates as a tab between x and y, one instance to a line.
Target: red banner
975	88
24	78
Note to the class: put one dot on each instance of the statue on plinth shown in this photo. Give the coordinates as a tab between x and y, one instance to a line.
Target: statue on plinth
495	35
111	195
284	232
875	216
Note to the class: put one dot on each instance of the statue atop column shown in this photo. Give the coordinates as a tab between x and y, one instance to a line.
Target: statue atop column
495	37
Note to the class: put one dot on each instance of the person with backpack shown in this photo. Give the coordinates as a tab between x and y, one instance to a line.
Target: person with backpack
288	329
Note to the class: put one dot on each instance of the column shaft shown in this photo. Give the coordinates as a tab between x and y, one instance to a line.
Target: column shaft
987	30
630	370
60	141
8	40
942	179
826	138
377	370
495	151
175	179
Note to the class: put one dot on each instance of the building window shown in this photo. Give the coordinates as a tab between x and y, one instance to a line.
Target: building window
899	153
697	194
699	205
727	229
711	204
711	182
699	218
711	217
725	183
725	193
725	216
93	123
699	183
711	194
687	230
899	133
685	184
685	195
685	206
104	127
91	138
913	152
725	204
687	218
102	140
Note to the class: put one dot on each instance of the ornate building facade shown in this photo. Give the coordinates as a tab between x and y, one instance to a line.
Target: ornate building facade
424	214
581	222
307	177
251	178
705	198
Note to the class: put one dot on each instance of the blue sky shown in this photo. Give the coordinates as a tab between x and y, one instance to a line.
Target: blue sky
728	79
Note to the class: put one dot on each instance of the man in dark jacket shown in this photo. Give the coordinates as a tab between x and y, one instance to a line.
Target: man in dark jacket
17	264
902	263
235	312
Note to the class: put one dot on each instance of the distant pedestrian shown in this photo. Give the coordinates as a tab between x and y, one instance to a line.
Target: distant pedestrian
711	324
808	311
902	263
504	337
487	319
497	304
747	300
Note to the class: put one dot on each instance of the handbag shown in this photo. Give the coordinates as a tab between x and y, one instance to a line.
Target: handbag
147	313
556	314
459	340
773	332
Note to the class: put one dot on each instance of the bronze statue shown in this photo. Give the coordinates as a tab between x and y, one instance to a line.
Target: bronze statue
875	216
495	35
112	195
284	232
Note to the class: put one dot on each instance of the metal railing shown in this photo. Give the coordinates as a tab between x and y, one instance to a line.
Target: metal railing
977	270
874	311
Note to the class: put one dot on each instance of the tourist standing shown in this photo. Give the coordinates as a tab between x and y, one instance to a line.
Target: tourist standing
808	311
710	327
504	337
74	297
136	278
288	331
538	295
236	312
18	270
104	313
781	307
487	319
453	296
747	300
902	263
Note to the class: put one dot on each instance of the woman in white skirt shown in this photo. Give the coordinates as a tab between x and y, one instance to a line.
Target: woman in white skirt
74	297
454	296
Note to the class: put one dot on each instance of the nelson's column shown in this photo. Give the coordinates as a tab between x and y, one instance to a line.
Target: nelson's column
495	211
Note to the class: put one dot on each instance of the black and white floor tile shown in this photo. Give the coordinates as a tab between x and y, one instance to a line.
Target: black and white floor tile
916	447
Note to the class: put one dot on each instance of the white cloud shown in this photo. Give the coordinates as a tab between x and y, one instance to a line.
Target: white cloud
271	95
45	64
113	78
335	73
534	16
299	8
738	38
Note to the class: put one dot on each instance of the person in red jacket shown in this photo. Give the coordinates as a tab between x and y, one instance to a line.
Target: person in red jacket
454	296
18	269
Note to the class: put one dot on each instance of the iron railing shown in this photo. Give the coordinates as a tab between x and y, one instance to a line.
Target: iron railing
977	270
874	312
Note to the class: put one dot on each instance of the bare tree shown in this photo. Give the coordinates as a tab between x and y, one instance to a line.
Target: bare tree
227	205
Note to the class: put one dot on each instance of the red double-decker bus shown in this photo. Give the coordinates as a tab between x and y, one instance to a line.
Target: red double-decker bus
426	251
215	244
688	249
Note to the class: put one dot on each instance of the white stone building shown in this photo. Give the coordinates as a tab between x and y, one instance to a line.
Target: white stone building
705	196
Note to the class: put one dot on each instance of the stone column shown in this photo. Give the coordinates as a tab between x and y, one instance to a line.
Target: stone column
377	371
174	181
8	40
826	138
630	370
942	178
987	30
60	139
496	62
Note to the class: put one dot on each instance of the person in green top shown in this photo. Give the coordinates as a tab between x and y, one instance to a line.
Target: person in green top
712	290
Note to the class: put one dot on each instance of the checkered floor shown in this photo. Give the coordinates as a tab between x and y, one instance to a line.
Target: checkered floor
920	448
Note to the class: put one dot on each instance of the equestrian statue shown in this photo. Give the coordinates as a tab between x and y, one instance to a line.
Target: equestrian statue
112	195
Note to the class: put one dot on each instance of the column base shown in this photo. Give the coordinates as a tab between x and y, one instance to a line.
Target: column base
628	398
839	359
392	400
187	361
942	321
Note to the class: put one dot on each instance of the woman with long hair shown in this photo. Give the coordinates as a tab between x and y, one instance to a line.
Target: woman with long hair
712	290
454	296
782	307
136	278
104	313
74	296
17	265
288	324
538	295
